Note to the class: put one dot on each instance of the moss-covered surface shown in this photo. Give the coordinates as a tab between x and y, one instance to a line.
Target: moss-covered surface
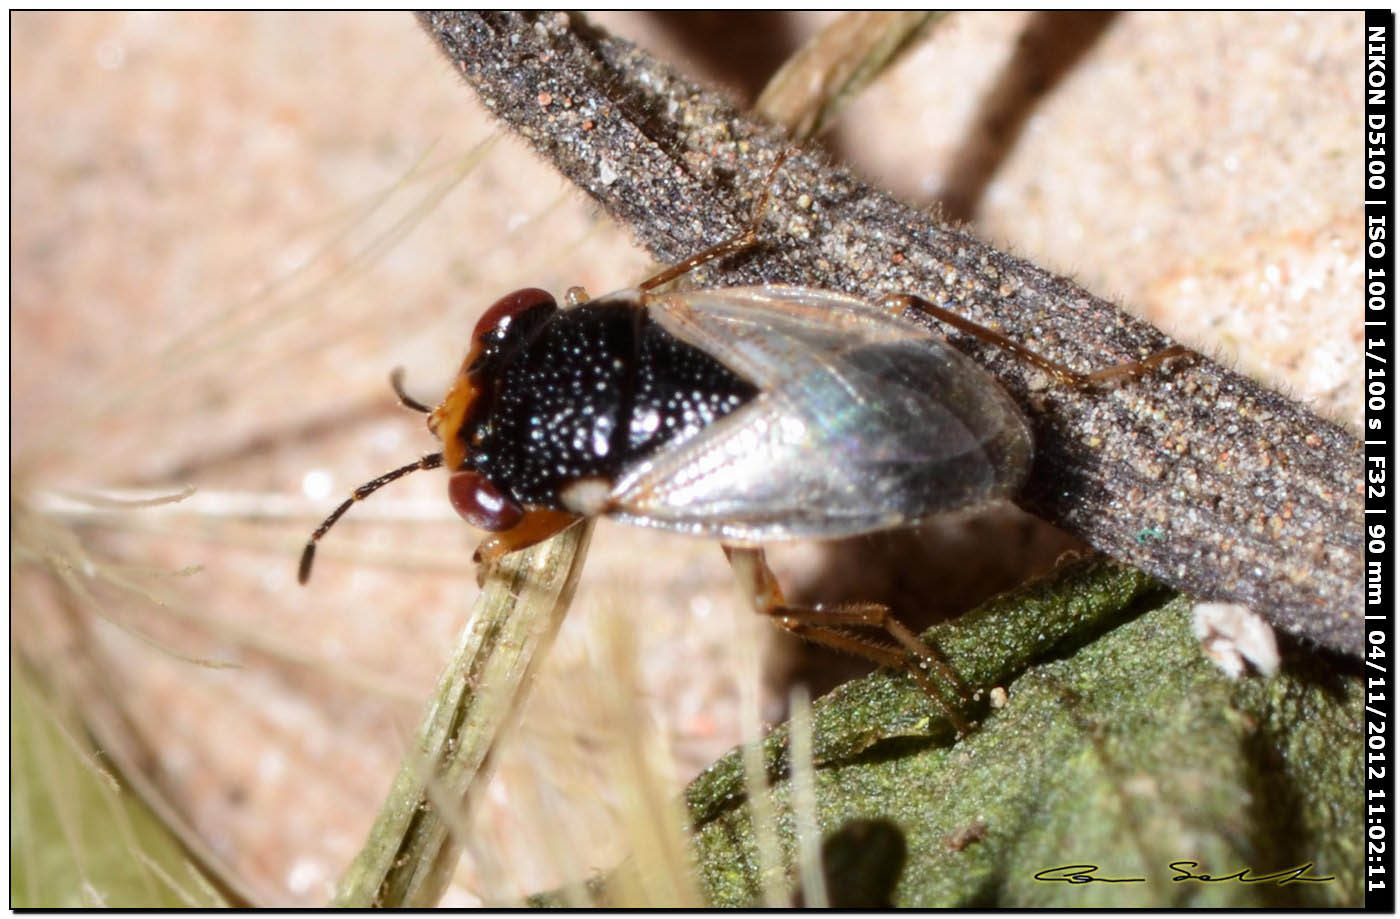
1124	748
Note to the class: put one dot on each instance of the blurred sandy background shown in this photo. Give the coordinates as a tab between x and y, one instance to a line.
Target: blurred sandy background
227	228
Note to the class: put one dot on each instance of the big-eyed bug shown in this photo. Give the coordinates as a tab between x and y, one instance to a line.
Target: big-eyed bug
745	414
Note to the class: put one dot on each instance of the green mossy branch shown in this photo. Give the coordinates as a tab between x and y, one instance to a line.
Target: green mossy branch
1123	748
1120	745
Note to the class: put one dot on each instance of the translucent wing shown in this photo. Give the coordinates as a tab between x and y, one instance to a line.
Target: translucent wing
864	422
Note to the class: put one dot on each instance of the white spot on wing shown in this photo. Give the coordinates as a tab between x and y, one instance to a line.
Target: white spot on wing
586	496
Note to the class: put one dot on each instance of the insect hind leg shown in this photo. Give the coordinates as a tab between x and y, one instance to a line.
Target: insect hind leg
827	627
1065	375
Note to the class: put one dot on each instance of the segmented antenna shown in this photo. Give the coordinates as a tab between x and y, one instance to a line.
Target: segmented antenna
431	461
407	401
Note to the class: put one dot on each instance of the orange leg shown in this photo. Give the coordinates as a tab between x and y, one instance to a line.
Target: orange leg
824	627
1066	375
536	526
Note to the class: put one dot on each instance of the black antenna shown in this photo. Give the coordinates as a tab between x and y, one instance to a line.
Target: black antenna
396	381
431	461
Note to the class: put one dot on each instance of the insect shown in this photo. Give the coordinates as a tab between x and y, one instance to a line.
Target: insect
745	414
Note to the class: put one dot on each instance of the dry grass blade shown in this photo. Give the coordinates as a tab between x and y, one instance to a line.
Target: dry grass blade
411	852
812	87
804	803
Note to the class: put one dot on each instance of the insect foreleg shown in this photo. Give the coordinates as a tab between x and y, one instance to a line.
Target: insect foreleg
1066	375
824	627
732	246
536	526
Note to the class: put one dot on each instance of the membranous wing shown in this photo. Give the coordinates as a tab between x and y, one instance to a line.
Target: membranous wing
864	421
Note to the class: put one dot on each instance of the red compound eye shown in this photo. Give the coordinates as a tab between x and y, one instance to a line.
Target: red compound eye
482	504
509	306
